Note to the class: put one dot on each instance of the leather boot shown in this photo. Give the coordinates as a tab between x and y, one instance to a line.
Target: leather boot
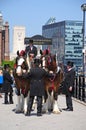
6	98
30	105
11	98
39	106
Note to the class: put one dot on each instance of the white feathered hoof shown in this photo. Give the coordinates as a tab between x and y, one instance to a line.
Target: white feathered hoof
18	109
25	113
56	112
33	107
56	108
44	109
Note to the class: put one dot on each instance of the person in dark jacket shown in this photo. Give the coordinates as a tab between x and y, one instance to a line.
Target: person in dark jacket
7	88
1	81
37	86
31	49
69	85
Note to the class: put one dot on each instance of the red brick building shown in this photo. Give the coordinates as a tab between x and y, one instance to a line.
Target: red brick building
4	40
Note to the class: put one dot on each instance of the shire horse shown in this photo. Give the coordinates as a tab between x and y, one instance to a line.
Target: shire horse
22	84
23	65
52	85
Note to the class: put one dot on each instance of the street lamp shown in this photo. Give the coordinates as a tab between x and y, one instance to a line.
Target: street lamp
83	7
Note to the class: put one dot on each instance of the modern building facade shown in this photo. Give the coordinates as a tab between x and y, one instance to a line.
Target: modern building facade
4	40
67	40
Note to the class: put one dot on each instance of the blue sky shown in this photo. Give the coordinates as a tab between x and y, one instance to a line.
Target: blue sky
34	13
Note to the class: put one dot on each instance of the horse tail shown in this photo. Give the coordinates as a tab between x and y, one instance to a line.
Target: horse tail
60	74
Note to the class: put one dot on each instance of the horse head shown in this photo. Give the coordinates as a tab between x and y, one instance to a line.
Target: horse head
49	62
21	66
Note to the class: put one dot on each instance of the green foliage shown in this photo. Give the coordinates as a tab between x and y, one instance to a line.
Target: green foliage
11	63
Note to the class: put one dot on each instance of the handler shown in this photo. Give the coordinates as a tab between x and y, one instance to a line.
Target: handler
37	86
69	85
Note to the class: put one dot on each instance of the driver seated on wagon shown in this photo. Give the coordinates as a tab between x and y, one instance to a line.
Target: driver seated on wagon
31	50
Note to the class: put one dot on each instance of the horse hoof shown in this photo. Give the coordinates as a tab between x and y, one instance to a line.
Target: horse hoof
43	112
56	112
17	112
50	110
60	110
27	114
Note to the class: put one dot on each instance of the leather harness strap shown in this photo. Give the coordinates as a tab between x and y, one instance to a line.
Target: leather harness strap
52	81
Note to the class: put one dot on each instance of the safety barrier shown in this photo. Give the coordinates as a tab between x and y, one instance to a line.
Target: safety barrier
80	88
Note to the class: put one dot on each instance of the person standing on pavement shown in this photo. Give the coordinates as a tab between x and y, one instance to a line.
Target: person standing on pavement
36	75
11	74
69	85
7	88
1	81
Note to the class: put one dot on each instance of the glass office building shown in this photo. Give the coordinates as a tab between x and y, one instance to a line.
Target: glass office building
67	40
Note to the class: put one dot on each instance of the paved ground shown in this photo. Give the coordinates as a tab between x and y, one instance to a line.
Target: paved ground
75	120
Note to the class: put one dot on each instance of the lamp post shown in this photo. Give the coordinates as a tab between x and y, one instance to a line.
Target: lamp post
83	7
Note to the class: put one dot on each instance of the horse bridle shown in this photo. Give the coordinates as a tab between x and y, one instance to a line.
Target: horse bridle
20	69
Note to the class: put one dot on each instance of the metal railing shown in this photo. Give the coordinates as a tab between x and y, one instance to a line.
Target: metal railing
80	88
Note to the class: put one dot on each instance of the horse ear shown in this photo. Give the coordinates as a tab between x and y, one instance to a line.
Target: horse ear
47	52
18	53
41	52
24	53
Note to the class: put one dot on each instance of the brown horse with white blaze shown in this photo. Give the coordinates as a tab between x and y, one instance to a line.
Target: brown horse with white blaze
22	85
52	84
